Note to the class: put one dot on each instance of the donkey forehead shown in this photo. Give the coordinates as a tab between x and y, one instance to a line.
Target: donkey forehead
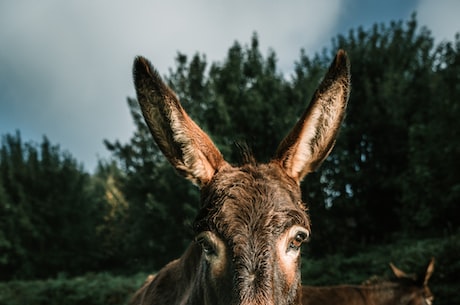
252	199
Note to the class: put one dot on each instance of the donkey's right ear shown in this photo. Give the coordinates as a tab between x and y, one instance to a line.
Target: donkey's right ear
184	144
312	138
429	271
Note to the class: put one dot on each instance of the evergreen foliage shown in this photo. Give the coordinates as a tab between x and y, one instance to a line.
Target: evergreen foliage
48	211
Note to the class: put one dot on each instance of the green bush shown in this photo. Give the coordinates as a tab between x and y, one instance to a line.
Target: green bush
91	289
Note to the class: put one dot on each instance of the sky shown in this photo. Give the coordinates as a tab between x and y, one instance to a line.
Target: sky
65	66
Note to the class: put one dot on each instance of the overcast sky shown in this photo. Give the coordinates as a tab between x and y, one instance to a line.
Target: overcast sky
65	66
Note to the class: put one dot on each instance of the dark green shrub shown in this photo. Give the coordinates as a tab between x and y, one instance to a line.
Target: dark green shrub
91	289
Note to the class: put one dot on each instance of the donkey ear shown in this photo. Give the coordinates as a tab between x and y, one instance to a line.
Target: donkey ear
398	272
312	138
429	271
185	145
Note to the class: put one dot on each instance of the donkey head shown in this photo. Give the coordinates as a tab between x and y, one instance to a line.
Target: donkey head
417	291
252	221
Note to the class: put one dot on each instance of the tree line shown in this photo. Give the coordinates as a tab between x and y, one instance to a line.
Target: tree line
392	174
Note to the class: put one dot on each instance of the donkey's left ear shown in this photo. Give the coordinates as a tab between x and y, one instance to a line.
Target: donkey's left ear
187	147
398	272
312	138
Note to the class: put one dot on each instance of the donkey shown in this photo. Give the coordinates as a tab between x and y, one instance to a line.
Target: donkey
403	290
252	221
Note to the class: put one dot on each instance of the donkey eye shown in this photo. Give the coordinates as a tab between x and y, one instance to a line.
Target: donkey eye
206	246
297	241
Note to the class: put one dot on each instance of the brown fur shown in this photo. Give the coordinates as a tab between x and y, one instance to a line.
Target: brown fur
252	220
403	290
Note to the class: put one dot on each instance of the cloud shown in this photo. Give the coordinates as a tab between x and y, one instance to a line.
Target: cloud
441	18
65	66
